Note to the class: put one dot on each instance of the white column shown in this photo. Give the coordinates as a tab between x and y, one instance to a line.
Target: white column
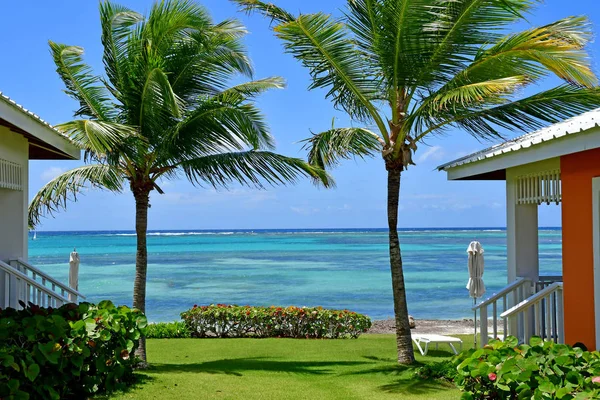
521	234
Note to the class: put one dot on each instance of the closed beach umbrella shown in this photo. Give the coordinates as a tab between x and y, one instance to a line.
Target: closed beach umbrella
475	284
74	271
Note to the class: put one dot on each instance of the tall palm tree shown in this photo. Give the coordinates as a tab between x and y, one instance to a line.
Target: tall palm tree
405	70
163	109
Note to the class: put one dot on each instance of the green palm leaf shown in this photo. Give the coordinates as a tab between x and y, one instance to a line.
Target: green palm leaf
322	45
117	22
249	168
328	148
81	85
55	195
97	137
268	9
522	115
249	90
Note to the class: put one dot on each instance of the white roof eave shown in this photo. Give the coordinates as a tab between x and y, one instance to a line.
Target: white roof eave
522	150
31	123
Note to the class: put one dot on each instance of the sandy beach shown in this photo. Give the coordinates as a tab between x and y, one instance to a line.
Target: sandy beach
430	326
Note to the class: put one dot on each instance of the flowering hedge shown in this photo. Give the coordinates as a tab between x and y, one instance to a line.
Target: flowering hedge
71	352
223	320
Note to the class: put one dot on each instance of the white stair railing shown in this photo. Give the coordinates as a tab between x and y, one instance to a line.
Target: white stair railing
514	293
20	287
46	280
543	313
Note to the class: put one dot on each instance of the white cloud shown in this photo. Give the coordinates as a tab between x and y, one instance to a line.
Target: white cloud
51	173
434	153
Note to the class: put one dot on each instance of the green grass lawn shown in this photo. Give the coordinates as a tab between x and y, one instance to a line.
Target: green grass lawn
284	369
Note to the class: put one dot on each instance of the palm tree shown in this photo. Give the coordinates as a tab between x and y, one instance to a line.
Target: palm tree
405	70
164	109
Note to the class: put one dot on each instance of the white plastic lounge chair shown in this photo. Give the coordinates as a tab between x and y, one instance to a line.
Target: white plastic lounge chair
420	339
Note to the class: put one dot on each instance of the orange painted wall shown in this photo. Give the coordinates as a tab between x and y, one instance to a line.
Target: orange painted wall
577	171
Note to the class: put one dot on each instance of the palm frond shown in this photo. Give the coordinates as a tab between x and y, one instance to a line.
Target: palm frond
250	168
326	149
478	93
268	9
159	105
204	64
55	195
402	46
533	112
225	123
171	21
458	29
116	22
249	90
81	85
97	137
324	47
364	18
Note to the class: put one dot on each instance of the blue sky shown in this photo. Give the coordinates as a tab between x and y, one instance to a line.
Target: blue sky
27	74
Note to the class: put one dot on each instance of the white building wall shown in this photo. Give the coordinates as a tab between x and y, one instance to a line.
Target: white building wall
13	203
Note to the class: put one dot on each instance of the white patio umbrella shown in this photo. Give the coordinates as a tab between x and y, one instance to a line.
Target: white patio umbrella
74	270
475	284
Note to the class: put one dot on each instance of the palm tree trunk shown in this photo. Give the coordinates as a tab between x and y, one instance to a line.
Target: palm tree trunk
403	338
142	201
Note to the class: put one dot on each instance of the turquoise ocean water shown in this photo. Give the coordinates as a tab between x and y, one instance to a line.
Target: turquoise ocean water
333	268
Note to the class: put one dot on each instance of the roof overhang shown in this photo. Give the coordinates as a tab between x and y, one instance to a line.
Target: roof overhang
45	142
571	136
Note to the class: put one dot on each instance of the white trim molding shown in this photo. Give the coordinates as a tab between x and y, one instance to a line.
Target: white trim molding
11	175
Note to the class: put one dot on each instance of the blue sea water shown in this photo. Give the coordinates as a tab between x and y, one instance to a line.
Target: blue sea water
333	268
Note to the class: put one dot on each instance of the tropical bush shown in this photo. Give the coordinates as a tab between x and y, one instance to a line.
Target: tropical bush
168	330
71	352
443	370
223	320
540	370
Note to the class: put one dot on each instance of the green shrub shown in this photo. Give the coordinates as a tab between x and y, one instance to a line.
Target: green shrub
540	370
444	370
168	330
71	352
244	321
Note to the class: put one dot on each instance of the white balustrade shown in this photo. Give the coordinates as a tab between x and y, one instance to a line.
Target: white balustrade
46	280
514	293
543	313
20	287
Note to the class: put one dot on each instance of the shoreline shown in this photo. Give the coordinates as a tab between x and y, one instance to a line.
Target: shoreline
427	326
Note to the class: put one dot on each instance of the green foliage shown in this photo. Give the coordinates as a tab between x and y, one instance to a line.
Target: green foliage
70	352
244	321
540	370
168	330
428	66
166	107
439	370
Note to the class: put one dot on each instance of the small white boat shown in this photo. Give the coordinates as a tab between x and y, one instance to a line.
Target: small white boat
34	235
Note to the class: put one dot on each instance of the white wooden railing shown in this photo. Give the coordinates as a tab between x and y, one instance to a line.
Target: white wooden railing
543	313
45	280
514	293
20	287
545	281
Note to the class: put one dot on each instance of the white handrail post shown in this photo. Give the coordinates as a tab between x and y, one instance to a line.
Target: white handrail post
495	319
483	325
560	317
